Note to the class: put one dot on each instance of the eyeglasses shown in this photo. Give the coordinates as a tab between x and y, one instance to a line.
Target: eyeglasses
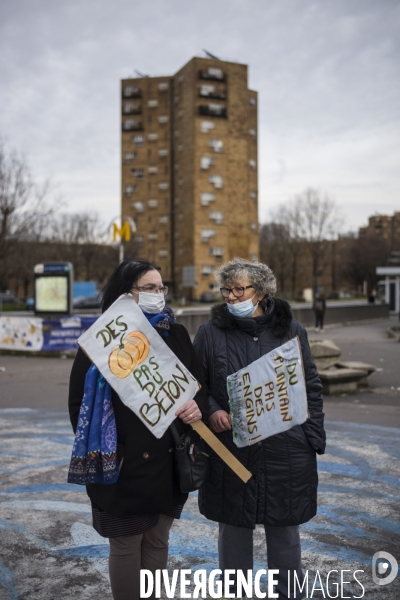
153	289
236	291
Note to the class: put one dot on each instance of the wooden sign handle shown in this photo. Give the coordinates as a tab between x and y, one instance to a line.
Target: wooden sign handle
222	451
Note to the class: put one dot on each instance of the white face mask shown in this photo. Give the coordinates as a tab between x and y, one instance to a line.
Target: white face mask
151	303
242	309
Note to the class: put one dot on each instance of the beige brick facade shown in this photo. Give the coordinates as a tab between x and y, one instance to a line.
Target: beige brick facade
190	179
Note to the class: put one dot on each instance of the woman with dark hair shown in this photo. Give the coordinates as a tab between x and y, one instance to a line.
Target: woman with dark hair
136	512
283	490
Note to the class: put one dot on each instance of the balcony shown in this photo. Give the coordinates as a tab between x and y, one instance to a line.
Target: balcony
132	125
212	73
213	110
138	173
209	91
131	108
131	91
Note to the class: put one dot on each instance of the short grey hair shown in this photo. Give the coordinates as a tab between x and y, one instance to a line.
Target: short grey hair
260	276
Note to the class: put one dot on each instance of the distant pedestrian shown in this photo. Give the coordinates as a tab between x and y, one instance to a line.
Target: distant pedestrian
372	296
319	308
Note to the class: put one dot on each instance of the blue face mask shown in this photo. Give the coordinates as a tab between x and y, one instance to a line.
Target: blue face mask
242	309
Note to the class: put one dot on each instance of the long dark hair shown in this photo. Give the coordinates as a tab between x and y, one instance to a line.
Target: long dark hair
123	279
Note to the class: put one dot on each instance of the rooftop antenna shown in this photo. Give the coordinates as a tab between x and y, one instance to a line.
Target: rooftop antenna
209	55
141	74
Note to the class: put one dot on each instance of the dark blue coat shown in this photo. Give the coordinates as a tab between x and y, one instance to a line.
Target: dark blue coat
283	489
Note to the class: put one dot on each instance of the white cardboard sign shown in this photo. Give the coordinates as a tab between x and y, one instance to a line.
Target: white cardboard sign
138	365
269	396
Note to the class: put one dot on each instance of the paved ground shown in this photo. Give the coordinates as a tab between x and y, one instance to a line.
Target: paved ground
49	550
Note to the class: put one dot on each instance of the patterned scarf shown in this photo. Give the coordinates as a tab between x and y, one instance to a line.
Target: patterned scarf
94	454
162	321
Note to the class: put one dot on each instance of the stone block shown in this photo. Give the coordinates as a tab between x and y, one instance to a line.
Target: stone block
325	363
341	381
353	364
324	349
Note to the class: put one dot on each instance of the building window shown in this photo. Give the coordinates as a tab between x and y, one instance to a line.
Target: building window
206	161
218	252
207	269
176	99
252	100
129	156
218	145
138	206
206	234
253	164
152	103
180	217
176	133
163	219
207	90
206	126
163	152
129	190
163	185
131	107
138	239
137	139
217	216
253	133
163	119
163	86
180	148
131	91
176	166
152	169
163	253
253	194
206	198
180	182
139	173
152	136
129	124
216	180
153	203
253	226
216	110
180	113
213	73
152	236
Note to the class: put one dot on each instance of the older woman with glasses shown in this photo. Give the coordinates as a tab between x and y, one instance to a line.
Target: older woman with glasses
282	493
136	512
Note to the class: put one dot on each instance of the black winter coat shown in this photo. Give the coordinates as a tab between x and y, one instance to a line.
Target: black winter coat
146	484
283	489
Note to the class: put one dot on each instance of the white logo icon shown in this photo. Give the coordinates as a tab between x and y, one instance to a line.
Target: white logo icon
383	567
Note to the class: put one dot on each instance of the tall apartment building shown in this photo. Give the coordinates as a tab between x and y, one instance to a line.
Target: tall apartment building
189	170
384	226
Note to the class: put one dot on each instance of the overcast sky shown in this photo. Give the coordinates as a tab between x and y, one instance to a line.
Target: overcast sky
327	73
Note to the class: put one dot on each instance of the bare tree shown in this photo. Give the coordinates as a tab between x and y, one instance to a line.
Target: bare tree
319	221
24	207
360	257
305	225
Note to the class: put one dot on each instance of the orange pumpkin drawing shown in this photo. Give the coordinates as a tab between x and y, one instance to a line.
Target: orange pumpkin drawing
131	351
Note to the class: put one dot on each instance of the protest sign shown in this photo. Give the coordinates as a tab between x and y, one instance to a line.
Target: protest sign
138	365
269	396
